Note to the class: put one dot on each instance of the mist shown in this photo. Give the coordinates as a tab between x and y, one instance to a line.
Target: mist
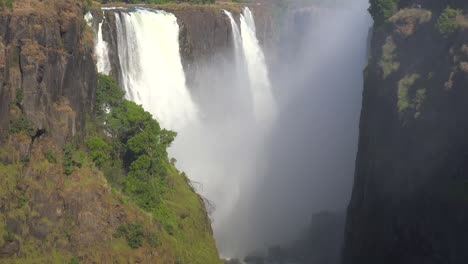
267	178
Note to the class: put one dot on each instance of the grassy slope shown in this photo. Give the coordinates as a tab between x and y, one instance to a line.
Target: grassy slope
190	242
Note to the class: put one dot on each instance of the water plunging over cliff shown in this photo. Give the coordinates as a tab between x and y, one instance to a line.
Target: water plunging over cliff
264	103
236	37
101	47
151	67
102	52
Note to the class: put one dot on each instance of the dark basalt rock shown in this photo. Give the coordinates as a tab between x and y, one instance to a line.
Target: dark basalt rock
409	202
47	59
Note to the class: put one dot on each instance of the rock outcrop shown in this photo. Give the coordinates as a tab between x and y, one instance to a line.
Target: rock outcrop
47	72
48	83
409	202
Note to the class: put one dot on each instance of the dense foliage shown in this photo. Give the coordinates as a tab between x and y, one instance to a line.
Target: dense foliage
134	233
381	10
446	23
22	124
6	4
133	141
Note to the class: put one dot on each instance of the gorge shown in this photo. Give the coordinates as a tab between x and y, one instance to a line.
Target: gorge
318	132
235	168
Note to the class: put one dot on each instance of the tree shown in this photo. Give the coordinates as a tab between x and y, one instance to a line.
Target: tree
381	10
447	22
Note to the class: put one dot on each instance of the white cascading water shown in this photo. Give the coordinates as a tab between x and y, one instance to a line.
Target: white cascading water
88	17
102	51
101	47
264	103
236	37
151	66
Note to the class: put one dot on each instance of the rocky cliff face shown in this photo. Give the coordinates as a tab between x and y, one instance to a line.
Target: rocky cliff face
409	203
47	72
48	83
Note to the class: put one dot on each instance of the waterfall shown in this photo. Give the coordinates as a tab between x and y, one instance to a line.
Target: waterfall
236	36
102	51
151	66
264	103
88	17
101	47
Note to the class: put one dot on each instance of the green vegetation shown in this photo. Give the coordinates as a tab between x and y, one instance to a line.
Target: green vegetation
98	150
388	63
129	146
134	137
22	201
50	156
22	124
74	260
6	4
410	98
68	159
381	10
418	101
134	234
162	212
447	22
19	97
108	95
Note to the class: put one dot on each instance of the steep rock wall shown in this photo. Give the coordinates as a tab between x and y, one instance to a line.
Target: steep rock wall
48	78
47	71
409	202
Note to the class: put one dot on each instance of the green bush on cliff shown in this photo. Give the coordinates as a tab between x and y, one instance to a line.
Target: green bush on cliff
411	97
6	4
108	95
133	137
381	10
447	22
68	159
134	234
143	147
98	150
74	260
389	63
22	124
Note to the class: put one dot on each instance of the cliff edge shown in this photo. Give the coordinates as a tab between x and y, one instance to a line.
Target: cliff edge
58	203
409	202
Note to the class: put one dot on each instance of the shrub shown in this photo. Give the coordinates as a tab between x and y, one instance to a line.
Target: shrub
22	201
50	156
6	4
134	234
388	62
74	260
404	87
19	96
446	23
98	150
22	124
153	239
108	94
381	10
68	159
